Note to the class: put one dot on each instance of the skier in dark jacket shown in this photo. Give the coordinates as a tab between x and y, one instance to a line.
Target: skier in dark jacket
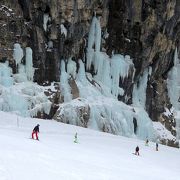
137	151
147	141
35	131
156	146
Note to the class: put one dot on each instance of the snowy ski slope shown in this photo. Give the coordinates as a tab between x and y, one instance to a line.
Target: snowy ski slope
97	156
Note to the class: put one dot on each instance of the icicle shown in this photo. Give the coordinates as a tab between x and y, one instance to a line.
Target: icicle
102	66
94	39
81	76
120	66
29	64
173	84
91	37
18	53
91	40
139	91
64	83
98	62
45	21
63	30
97	36
176	59
50	44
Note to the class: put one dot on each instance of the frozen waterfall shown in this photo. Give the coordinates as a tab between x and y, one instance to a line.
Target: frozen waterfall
98	93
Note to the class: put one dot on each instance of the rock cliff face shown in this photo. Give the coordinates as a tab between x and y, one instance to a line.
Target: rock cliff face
147	30
54	30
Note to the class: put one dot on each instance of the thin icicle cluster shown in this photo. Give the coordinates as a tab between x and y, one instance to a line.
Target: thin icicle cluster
108	70
63	30
29	64
173	83
119	68
18	53
94	42
45	21
81	76
64	85
18	93
139	91
28	69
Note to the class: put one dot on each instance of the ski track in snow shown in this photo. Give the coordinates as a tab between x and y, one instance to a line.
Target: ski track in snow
96	156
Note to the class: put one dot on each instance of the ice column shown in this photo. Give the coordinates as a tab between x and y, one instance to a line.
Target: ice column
139	91
29	64
45	21
120	66
64	83
18	53
63	30
94	39
81	76
173	83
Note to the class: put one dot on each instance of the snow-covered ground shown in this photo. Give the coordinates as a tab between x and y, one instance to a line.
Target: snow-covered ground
97	156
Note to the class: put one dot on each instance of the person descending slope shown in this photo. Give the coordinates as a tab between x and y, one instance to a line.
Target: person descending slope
137	151
147	142
75	138
156	146
35	131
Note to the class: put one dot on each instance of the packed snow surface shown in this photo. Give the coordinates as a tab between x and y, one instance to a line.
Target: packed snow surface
96	156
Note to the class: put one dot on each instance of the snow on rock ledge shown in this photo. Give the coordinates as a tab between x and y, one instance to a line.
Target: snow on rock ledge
77	113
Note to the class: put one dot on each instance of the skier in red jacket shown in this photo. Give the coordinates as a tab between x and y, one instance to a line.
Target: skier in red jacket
35	131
